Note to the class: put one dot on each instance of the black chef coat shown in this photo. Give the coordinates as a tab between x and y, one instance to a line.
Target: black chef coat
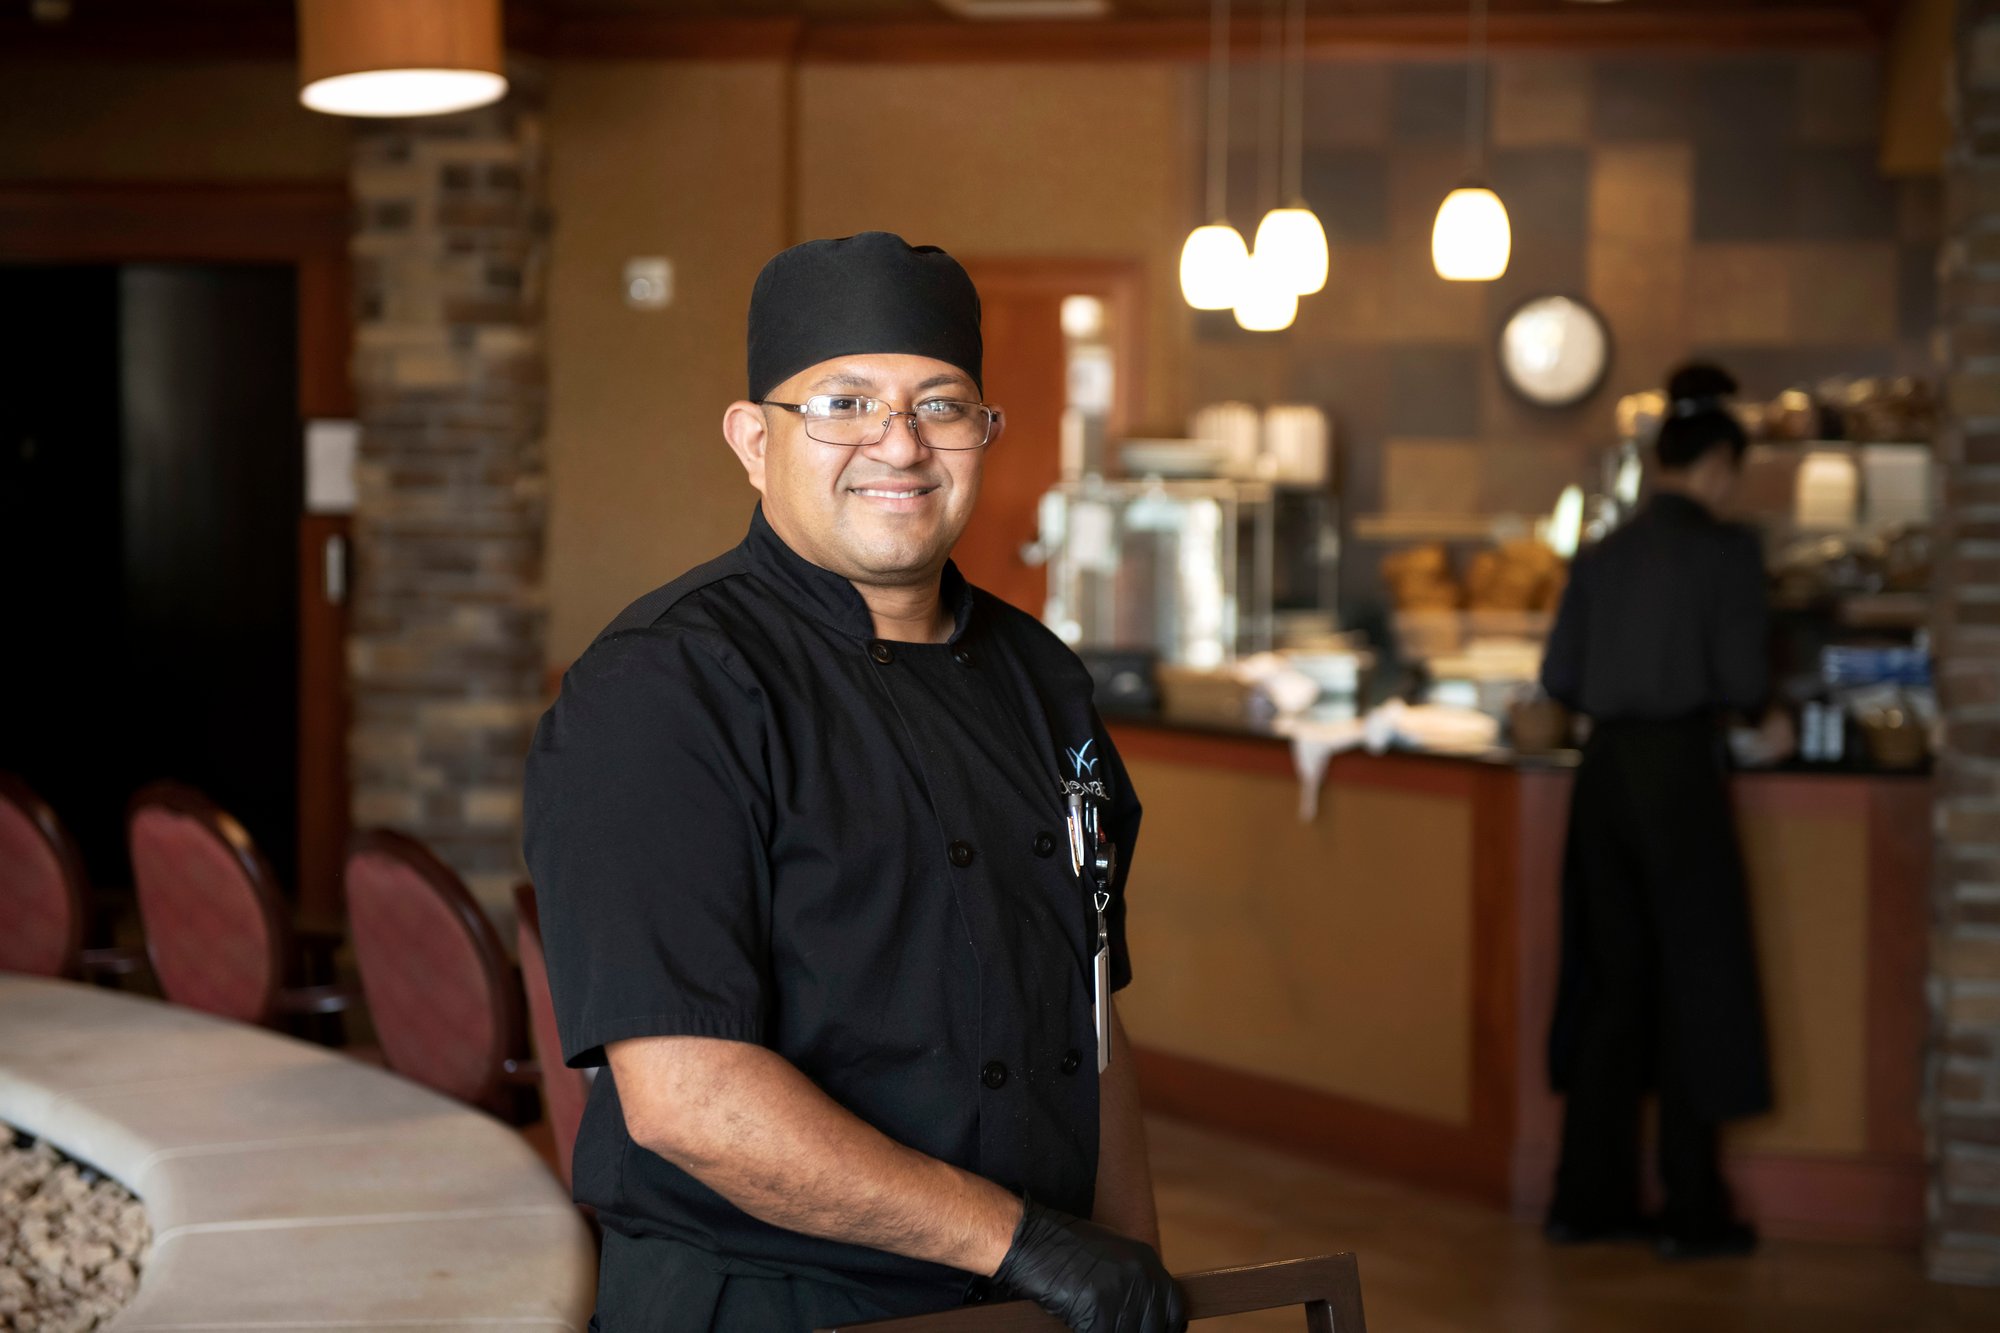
749	818
1662	630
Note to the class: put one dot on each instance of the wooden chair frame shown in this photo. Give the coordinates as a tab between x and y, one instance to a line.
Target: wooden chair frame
507	1068
1329	1287
280	999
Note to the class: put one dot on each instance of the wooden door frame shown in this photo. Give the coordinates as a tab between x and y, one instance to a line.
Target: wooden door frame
1120	284
301	224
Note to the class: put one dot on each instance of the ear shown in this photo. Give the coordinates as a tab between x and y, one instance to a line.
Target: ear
999	428
749	436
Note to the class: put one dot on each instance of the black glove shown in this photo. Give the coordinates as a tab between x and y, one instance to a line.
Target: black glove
1094	1280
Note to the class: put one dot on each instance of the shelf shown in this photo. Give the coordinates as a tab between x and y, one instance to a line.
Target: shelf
1441	527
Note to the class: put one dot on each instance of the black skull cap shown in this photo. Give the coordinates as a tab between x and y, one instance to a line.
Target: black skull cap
857	296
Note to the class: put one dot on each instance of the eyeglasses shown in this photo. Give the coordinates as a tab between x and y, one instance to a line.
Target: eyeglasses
940	423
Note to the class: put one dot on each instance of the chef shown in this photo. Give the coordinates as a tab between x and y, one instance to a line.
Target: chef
830	852
1661	635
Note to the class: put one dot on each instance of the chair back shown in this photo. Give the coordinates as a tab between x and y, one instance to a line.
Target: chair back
564	1090
42	886
215	923
439	988
1329	1287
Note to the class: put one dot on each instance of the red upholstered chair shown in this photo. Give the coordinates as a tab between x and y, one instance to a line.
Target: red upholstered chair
445	1001
45	895
564	1090
217	931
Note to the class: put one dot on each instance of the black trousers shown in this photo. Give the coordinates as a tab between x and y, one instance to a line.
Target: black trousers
648	1285
1660	986
1616	1062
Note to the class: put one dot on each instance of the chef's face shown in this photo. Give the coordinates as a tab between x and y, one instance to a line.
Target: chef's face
885	514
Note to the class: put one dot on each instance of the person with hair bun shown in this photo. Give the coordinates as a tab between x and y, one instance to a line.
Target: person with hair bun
1661	636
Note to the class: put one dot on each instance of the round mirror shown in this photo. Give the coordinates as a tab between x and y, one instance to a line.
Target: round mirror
1554	351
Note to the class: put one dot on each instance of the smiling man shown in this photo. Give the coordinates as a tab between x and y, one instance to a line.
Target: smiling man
830	850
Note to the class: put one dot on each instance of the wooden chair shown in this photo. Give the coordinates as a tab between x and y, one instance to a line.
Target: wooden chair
564	1090
445	1001
1329	1288
217	932
45	896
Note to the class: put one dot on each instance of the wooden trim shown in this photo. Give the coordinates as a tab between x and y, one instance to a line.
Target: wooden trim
657	37
534	30
928	41
1453	1159
323	716
1328	1286
1542	809
1898	1014
1496	1015
1163	743
305	225
1871	1199
133	223
1120	283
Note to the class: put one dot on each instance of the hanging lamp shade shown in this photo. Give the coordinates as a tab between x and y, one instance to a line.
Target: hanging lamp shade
1213	261
1268	301
400	57
1296	244
1471	240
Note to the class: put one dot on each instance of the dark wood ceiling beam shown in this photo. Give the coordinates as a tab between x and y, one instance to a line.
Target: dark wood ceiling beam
539	30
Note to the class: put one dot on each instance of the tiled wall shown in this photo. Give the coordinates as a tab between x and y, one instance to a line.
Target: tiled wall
1723	205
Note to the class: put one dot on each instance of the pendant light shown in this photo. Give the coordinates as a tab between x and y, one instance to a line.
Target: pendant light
1291	235
1214	258
1472	239
1268	300
400	57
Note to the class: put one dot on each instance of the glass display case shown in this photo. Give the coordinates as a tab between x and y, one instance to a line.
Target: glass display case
1188	569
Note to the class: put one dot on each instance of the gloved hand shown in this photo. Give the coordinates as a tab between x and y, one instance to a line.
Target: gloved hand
1094	1280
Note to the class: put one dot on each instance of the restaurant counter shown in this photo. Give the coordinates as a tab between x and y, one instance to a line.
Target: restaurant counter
1374	985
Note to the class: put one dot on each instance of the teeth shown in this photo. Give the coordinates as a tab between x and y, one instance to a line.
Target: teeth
893	495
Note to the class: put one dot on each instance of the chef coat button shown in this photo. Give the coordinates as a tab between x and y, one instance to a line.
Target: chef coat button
1045	844
960	854
994	1075
880	652
1072	1061
962	657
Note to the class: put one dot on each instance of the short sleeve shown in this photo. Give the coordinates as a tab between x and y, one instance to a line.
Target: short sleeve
647	817
1123	826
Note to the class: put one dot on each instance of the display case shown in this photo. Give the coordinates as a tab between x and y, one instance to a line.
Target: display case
1190	570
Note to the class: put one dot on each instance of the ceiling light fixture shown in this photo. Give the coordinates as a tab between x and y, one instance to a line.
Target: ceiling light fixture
1292	235
385	58
1472	240
1214	258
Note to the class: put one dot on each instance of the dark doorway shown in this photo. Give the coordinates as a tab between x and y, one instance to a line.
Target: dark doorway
150	480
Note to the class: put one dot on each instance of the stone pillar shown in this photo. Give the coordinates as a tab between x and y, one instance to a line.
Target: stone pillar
1963	1097
445	650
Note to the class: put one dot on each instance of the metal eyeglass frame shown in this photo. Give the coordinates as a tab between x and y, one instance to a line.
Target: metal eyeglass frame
993	415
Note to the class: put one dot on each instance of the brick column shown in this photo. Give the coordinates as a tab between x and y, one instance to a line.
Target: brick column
445	652
1963	1097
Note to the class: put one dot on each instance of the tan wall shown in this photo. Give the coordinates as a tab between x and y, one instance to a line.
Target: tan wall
189	120
688	159
683	160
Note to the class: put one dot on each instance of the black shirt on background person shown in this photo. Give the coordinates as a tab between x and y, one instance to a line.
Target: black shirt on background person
1661	632
798	824
1664	618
